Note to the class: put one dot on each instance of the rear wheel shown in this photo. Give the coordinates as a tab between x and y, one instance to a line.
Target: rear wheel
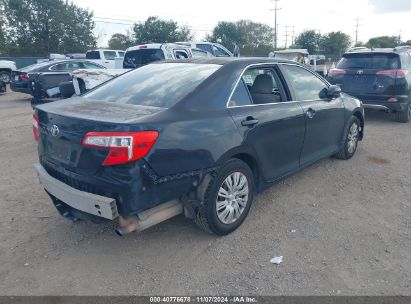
5	76
352	135
404	116
227	199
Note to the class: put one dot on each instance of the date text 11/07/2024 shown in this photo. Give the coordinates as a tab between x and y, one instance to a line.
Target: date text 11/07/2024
204	299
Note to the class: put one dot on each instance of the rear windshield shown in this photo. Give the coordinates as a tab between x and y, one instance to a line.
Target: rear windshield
155	85
369	61
93	55
36	66
136	58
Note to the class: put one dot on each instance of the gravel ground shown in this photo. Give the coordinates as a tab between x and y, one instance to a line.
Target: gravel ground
343	227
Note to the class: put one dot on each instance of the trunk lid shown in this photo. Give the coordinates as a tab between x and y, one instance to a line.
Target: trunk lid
63	125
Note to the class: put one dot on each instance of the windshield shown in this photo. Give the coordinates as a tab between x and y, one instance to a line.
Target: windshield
136	58
156	85
369	61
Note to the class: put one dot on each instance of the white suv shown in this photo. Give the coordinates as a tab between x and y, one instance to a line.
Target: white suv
139	55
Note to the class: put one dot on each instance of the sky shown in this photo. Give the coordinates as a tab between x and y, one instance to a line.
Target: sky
376	17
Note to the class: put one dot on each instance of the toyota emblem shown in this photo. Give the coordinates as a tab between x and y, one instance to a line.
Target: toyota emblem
54	130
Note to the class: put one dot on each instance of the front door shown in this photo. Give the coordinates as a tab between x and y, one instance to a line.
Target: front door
324	117
270	124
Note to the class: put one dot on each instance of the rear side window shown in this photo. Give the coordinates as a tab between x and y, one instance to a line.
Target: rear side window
90	65
136	58
205	47
66	66
155	85
219	52
369	61
240	96
199	53
121	54
306	85
109	55
93	55
180	54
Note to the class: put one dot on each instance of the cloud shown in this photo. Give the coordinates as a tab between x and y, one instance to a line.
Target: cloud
384	6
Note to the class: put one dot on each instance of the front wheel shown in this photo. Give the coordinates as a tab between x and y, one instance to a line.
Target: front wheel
227	199
352	136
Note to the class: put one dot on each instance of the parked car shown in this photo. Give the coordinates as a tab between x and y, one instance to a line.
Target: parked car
189	136
22	79
215	49
6	68
140	55
105	57
381	78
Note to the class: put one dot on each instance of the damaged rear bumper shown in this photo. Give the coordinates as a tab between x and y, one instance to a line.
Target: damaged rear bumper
94	204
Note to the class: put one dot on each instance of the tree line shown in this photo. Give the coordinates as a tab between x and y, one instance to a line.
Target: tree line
41	27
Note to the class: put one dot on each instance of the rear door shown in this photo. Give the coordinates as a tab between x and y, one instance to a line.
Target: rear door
324	117
275	128
366	76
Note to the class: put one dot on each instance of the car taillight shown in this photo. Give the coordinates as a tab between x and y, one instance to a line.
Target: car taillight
336	72
24	76
35	127
142	47
393	73
124	147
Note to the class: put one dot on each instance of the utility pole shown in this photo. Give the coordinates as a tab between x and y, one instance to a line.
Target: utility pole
357	25
293	36
399	37
286	35
275	9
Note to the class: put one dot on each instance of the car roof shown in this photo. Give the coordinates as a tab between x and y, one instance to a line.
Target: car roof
52	62
155	46
378	51
242	61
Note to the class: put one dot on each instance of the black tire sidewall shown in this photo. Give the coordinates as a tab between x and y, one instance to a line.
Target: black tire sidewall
6	73
350	123
231	166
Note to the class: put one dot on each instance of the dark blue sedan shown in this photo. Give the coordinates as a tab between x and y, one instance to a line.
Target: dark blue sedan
200	137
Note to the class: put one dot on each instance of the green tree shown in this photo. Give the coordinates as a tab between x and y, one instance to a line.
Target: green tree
119	42
309	40
383	42
40	27
335	43
155	30
254	39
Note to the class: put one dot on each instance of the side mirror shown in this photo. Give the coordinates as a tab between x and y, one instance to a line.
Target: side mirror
334	91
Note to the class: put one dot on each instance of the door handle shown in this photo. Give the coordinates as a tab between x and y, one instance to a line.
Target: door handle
310	113
249	122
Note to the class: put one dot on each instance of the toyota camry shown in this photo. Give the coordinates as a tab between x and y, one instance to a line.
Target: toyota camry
200	137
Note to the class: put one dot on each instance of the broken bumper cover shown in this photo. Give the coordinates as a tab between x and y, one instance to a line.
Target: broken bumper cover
94	204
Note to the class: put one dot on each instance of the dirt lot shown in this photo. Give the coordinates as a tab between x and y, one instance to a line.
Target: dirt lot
343	227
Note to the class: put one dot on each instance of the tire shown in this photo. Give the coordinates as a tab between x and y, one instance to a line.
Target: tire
351	138
214	214
404	116
5	76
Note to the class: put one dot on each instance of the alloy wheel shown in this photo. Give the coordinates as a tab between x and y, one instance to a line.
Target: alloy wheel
352	138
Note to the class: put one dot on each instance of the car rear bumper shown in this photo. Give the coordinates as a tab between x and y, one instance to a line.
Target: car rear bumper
134	187
381	103
96	205
20	88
